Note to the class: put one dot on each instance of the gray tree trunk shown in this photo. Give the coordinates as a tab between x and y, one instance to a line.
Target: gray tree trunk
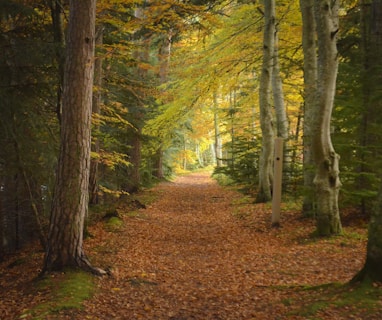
310	88
326	178
266	119
218	147
96	111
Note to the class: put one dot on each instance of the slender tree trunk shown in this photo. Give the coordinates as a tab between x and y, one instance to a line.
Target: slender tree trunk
282	123
218	140
266	119
70	202
164	55
57	13
326	179
310	89
96	111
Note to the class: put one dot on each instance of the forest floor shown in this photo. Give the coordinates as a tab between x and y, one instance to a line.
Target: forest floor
202	251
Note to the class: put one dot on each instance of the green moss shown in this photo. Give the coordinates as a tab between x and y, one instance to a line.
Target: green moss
362	299
67	290
113	224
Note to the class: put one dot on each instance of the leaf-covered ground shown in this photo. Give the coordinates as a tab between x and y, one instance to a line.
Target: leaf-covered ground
201	251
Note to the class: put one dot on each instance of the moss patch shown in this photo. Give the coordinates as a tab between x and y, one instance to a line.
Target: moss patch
67	290
354	300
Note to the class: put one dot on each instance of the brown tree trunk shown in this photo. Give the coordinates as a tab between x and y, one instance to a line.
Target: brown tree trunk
70	202
372	269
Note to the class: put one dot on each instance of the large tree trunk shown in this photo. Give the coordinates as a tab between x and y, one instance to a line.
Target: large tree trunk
266	120
310	89
326	179
70	203
373	264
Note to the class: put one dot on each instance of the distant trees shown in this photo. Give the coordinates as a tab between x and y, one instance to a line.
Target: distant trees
182	87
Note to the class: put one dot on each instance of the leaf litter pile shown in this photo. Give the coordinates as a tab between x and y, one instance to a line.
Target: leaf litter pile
199	251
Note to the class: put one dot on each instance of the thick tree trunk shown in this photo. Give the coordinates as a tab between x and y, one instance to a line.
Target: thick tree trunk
310	89
373	264
326	179
266	120
70	202
373	48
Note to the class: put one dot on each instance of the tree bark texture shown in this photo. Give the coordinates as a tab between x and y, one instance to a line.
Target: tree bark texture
70	203
373	61
326	178
372	268
266	118
310	88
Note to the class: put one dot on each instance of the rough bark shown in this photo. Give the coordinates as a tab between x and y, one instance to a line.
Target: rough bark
266	120
310	88
326	178
372	268
70	202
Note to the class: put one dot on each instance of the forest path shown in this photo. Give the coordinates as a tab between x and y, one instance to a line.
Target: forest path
201	251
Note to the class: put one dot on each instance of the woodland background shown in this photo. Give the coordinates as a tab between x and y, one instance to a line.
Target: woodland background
176	89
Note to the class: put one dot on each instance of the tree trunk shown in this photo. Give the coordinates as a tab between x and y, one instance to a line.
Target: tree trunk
373	264
326	179
266	119
96	111
70	202
310	88
218	148
282	124
57	13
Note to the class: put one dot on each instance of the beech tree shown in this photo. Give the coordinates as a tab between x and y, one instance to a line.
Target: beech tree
326	160
70	202
266	118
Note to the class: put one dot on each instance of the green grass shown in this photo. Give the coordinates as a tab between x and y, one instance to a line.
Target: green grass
362	299
67	290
